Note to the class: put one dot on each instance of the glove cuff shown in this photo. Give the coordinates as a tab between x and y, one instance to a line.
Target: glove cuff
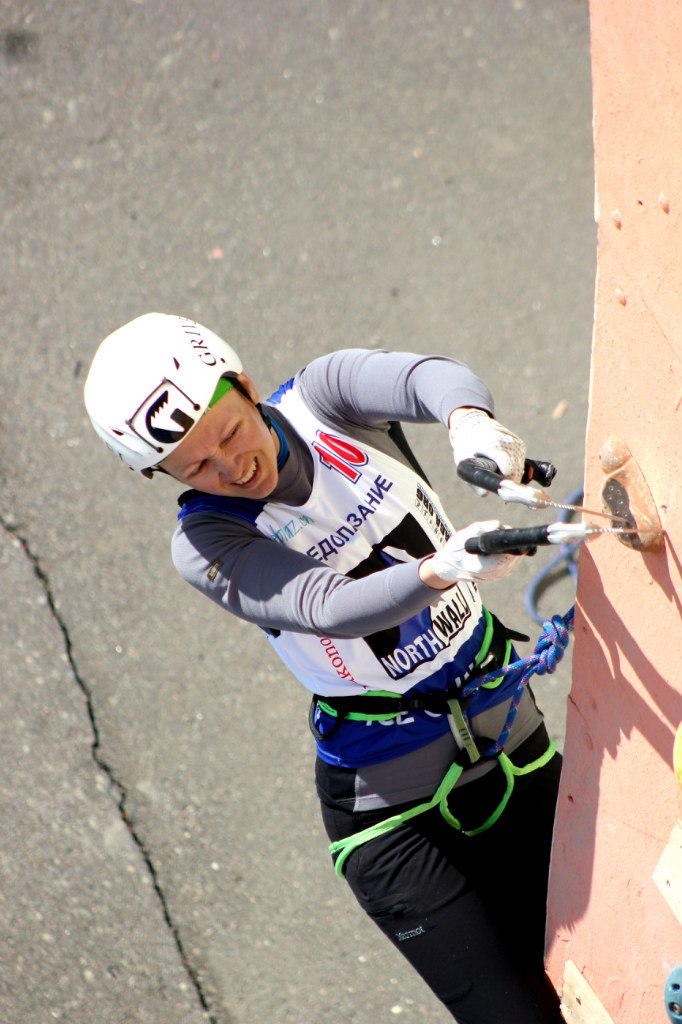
474	433
463	423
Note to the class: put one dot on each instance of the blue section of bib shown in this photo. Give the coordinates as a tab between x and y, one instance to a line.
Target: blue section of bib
277	396
358	743
246	509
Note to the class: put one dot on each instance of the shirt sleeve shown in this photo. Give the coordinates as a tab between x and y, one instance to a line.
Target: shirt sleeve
356	387
265	583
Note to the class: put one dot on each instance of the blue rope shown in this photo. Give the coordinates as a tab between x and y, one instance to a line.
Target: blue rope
566	560
549	651
555	635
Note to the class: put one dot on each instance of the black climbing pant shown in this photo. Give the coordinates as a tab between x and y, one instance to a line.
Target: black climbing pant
468	912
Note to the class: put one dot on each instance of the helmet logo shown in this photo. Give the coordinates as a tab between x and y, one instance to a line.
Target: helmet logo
162	434
191	329
165	417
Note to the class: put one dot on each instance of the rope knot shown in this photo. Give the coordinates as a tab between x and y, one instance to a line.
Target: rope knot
552	644
548	652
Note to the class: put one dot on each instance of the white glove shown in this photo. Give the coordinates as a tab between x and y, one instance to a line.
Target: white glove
452	562
474	433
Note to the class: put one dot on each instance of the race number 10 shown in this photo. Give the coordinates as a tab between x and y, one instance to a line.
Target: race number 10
340	455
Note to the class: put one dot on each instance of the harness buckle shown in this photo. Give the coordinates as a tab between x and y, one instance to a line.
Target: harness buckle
470	747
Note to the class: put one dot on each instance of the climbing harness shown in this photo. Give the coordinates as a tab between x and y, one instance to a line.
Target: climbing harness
383	705
548	652
343	848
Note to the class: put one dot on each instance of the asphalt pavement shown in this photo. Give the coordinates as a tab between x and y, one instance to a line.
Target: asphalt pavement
299	176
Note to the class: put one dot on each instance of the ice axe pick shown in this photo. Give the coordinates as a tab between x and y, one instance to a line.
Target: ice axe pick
482	472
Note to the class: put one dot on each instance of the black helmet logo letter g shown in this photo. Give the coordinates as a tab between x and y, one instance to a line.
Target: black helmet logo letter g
162	434
165	416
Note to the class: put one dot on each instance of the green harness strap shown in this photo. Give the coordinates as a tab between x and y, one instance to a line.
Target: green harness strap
343	848
360	716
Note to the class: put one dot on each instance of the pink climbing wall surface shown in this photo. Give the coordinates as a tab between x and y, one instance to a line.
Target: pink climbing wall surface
619	799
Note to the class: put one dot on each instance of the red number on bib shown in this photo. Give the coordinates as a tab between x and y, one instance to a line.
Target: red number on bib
340	455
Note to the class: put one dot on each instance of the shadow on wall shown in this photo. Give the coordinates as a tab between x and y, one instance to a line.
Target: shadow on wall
615	709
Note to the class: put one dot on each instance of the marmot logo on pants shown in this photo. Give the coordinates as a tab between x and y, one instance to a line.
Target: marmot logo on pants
411	934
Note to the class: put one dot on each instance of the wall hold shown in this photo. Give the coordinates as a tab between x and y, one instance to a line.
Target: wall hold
579	1003
673	995
626	495
667	874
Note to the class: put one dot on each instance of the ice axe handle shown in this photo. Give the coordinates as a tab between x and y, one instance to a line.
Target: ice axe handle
482	472
521	540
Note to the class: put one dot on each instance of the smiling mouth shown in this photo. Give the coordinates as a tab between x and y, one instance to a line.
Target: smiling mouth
248	476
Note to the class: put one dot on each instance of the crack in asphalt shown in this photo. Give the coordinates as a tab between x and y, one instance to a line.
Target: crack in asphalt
106	768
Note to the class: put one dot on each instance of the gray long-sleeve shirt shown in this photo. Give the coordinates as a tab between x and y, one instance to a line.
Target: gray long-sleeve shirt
360	393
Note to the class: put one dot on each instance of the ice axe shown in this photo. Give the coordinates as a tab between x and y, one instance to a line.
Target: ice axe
642	531
481	472
523	540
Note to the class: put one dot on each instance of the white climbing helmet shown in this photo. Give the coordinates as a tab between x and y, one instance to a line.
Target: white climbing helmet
151	381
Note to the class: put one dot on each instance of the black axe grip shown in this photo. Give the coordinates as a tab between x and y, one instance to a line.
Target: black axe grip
482	472
515	540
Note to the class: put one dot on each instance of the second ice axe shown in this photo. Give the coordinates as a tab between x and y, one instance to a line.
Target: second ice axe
481	472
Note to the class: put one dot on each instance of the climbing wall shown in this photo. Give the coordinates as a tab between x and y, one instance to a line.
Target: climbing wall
615	910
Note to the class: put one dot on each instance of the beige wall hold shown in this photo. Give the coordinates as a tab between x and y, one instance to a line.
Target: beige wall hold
668	872
626	495
579	1004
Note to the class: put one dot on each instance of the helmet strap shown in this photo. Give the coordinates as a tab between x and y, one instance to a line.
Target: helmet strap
242	390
